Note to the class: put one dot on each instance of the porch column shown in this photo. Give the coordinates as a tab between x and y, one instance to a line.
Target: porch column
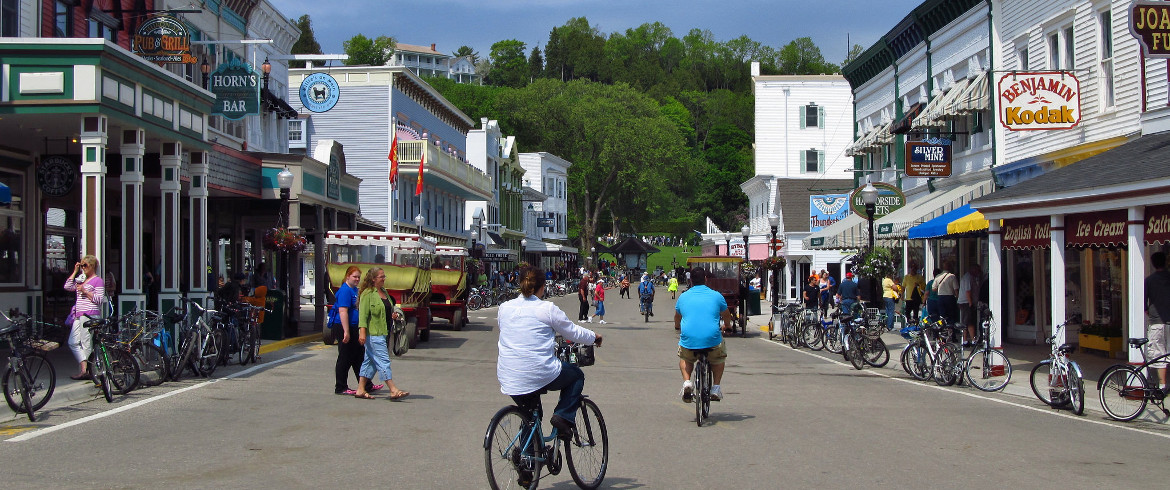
197	249
133	148
1056	295
1135	283
170	159
93	187
995	281
928	262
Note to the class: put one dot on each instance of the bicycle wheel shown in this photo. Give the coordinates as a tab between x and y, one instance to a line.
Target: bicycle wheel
1123	393
1076	389
102	374
876	353
1040	380
856	352
813	336
152	364
42	379
702	391
474	302
184	360
917	361
123	371
944	365
588	452
988	370
832	339
209	356
508	454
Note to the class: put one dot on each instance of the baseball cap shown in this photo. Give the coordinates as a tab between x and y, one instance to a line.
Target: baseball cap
848	274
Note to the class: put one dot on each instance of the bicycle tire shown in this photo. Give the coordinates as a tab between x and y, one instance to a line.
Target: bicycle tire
123	371
857	347
1039	379
944	365
209	356
504	444
105	384
152	364
1076	390
42	379
474	302
583	447
877	354
832	339
702	392
1123	393
921	364
25	399
184	361
814	337
988	370
252	342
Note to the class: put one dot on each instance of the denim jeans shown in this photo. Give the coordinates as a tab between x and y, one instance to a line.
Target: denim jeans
889	313
377	359
570	383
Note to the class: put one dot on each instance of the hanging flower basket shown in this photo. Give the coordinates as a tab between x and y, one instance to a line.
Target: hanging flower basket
284	240
775	263
748	269
876	263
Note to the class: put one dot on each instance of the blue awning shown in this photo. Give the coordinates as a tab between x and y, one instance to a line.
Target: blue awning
5	194
938	226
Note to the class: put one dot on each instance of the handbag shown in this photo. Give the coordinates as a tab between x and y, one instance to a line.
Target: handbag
334	317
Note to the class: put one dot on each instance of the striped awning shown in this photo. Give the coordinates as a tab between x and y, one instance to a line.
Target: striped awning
976	98
968	224
938	110
950	223
405	241
850	233
896	224
449	250
872	141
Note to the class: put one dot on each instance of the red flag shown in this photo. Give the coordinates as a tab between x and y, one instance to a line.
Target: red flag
421	159
394	162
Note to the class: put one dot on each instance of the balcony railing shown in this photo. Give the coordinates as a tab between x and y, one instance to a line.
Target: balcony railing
445	166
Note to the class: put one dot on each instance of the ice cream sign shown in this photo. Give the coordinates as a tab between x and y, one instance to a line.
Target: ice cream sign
1034	101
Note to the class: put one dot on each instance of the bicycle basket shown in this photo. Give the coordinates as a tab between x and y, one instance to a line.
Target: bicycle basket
809	315
872	331
585	355
871	316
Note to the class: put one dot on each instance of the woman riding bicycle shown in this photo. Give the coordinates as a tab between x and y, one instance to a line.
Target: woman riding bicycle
527	360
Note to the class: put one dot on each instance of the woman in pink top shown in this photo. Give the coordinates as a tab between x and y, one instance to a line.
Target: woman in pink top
90	293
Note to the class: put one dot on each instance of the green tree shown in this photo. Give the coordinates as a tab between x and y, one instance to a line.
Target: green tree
306	43
535	64
803	57
467	51
854	53
365	51
576	50
509	66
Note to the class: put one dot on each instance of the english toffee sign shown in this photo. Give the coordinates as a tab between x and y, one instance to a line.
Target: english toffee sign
1037	101
237	90
1149	22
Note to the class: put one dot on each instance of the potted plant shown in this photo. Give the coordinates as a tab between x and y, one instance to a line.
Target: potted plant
284	240
775	264
1102	337
876	263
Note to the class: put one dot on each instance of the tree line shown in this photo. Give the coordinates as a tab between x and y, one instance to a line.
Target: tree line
659	129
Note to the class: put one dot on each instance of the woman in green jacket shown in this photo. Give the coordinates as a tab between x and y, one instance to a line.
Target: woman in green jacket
375	309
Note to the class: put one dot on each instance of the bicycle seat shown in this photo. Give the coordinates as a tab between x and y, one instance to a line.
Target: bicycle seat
1067	349
1138	342
706	350
93	323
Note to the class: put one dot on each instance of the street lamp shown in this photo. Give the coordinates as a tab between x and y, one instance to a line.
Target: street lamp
592	256
284	180
474	237
727	239
418	221
746	231
523	245
774	224
266	67
869	196
205	69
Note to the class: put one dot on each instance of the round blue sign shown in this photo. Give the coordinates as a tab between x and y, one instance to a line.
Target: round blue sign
319	92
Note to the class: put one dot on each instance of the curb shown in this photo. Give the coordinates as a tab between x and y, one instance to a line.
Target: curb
280	344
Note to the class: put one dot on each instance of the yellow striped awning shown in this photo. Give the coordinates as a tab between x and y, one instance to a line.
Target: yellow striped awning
971	222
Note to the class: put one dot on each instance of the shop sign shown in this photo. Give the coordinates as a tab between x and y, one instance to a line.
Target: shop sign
164	39
1036	101
1149	22
826	209
319	92
333	177
56	175
930	158
737	249
497	257
1027	232
1101	228
890	199
237	90
1158	223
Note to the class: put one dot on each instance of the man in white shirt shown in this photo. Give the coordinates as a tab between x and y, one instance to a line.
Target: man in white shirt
969	299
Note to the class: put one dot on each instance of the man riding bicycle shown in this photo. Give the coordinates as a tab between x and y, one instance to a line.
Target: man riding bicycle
696	316
646	295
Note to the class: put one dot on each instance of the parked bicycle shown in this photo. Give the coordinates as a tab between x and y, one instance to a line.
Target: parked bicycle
30	379
516	451
198	345
1057	381
987	368
114	369
1125	392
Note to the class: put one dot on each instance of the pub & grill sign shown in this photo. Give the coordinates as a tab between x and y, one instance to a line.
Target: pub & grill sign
164	39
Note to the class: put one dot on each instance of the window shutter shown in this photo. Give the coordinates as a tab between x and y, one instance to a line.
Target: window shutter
803	163
821	161
821	119
800	114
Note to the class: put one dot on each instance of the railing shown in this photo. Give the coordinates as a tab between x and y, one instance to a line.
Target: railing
409	153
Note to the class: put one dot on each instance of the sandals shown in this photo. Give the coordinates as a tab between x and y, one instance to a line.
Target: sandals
399	395
364	396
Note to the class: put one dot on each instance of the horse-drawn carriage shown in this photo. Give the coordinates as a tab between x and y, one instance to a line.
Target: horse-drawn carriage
725	275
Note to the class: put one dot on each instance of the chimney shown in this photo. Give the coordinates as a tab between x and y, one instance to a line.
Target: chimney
433	47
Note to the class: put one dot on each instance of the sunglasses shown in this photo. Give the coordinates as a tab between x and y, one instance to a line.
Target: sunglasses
83	266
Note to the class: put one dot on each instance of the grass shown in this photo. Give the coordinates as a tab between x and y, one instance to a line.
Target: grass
664	257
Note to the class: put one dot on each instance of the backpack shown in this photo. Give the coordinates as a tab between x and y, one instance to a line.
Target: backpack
645	289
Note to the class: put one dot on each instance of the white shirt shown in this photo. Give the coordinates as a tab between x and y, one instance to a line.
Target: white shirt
528	328
965	285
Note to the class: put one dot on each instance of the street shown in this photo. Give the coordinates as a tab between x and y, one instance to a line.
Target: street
791	419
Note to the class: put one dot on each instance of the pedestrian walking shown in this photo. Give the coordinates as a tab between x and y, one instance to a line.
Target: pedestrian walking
599	300
343	319
947	286
672	286
91	291
913	292
375	312
584	288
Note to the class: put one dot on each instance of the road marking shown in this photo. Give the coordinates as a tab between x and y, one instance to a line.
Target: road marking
96	416
913	382
15	429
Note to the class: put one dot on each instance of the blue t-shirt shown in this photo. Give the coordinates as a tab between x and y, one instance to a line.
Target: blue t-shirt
347	298
848	291
700	307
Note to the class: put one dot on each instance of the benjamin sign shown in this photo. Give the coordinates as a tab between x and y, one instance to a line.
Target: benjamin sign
1035	101
237	90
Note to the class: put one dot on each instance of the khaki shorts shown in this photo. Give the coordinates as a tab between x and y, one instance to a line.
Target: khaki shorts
718	354
1156	333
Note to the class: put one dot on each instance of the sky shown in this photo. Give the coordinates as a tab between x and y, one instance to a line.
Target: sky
450	24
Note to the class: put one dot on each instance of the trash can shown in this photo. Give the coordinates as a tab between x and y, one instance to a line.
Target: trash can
753	303
273	326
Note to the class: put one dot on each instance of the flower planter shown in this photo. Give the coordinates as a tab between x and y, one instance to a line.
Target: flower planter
1110	345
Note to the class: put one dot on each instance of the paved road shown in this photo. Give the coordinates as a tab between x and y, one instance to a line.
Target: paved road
791	419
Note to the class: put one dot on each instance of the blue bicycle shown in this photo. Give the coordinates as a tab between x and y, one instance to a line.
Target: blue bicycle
516	451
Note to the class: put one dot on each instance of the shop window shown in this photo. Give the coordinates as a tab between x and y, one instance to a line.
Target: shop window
296	134
1106	78
11	227
1073	302
9	18
1025	289
63	19
1108	271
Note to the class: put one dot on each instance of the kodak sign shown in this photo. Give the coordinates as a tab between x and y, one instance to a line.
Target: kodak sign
1034	101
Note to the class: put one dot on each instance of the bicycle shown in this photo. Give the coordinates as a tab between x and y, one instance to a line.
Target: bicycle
30	379
987	368
139	332
1124	391
517	451
1057	381
114	369
702	380
198	348
930	354
646	305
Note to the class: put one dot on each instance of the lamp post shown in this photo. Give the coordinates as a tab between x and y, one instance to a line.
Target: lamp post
419	220
205	69
592	256
869	195
774	223
266	67
727	240
523	245
746	231
284	180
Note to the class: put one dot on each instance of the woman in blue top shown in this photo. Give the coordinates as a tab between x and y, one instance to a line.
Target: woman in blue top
350	352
